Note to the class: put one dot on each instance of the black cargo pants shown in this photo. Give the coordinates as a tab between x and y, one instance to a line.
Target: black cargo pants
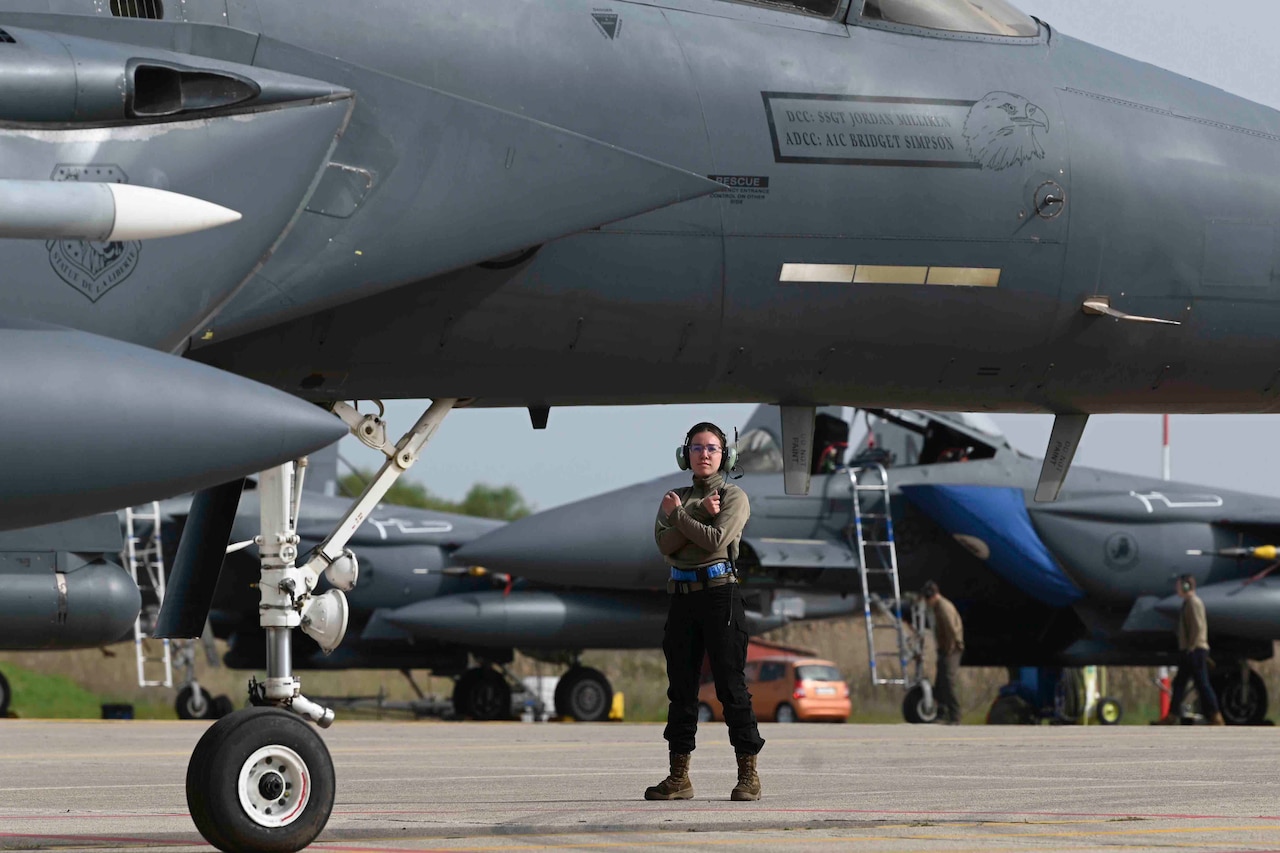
710	621
1194	666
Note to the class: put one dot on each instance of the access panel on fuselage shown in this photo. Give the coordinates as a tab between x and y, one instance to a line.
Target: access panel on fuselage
881	206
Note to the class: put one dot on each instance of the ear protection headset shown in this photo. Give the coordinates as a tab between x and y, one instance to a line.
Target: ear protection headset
728	458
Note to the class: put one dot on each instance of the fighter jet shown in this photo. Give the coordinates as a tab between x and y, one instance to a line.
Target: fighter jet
1085	580
416	608
563	202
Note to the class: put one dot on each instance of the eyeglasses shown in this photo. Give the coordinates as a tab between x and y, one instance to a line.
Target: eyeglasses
710	449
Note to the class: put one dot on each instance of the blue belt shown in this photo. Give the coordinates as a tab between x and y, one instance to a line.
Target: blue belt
690	575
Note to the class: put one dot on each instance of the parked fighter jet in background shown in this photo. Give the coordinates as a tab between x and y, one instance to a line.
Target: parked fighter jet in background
555	203
1082	581
416	608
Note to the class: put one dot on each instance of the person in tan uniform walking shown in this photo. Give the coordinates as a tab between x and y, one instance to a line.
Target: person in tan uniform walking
1193	664
948	633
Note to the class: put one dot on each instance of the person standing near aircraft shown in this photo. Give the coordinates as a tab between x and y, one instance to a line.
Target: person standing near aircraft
1193	664
948	634
698	531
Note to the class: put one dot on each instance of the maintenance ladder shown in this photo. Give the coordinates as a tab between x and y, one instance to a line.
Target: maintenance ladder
871	537
145	560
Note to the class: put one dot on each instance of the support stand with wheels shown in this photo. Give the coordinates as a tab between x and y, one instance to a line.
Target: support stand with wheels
261	779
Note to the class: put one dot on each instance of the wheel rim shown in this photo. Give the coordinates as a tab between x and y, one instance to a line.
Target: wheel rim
488	701
1110	712
786	714
587	700
197	705
274	786
1241	702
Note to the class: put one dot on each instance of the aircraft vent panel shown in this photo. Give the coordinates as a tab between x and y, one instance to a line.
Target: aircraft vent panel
5	38
151	9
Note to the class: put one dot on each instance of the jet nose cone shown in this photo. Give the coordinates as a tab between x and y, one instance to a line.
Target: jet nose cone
604	541
95	424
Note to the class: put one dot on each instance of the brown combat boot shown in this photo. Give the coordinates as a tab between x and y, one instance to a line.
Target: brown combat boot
748	787
676	786
1216	720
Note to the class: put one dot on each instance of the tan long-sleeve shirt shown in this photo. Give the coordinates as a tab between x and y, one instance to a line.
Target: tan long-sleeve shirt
1193	628
690	537
948	630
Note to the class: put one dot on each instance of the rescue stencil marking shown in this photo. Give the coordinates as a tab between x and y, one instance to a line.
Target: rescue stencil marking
740	188
996	132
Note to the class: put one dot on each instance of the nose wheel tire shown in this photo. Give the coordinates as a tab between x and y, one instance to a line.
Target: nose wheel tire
915	709
191	706
261	779
194	704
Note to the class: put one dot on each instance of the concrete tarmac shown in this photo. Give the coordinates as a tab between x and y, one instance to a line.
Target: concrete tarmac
513	786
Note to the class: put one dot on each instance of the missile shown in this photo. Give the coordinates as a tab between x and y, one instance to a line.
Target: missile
1262	552
92	424
102	212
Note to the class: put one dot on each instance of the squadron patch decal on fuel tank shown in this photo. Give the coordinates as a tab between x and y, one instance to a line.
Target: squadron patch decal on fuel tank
996	132
93	268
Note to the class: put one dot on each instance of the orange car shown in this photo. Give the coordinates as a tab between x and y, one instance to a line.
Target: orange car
786	690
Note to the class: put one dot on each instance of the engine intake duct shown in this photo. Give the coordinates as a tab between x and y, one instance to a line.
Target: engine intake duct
163	90
54	78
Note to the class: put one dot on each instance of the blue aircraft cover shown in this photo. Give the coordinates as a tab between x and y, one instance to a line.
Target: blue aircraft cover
998	516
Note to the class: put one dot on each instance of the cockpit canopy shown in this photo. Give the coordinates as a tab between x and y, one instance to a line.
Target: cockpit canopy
984	17
890	437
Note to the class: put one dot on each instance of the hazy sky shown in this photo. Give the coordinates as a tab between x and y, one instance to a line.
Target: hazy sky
1227	43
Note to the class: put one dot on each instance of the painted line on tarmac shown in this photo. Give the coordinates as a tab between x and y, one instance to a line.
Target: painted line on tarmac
96	787
756	839
94	816
103	839
580	807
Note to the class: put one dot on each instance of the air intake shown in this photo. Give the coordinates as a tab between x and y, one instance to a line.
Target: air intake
152	9
160	90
